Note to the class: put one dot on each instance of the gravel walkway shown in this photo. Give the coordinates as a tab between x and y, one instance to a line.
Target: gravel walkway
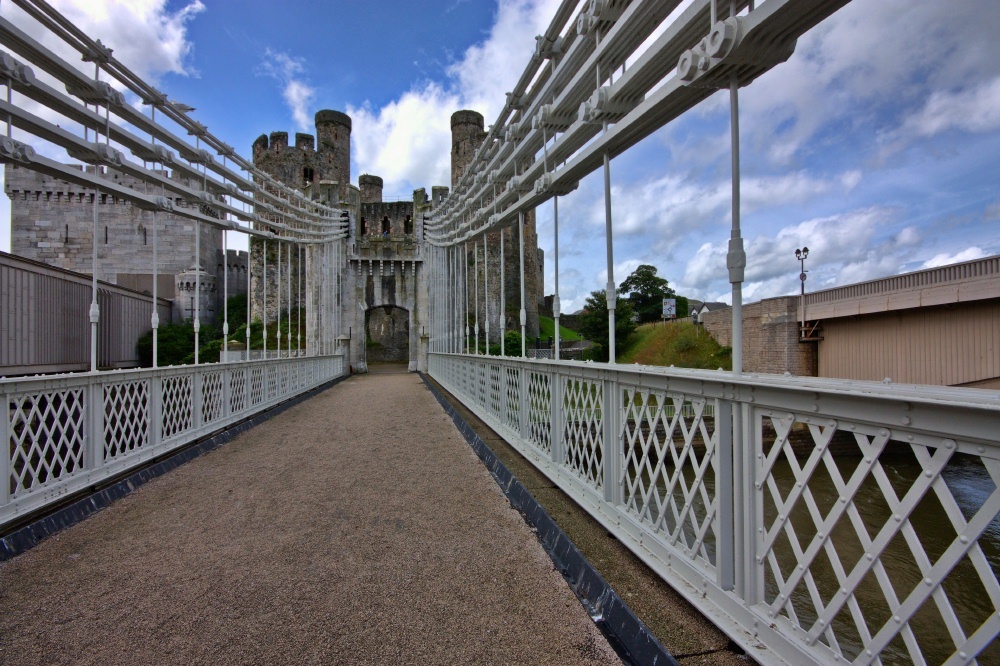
357	527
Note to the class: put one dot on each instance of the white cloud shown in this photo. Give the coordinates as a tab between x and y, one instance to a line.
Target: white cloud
869	63
298	95
408	141
842	249
945	258
144	34
972	110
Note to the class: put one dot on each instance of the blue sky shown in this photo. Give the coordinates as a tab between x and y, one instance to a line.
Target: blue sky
877	144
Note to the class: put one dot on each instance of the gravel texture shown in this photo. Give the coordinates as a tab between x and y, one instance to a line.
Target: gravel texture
357	527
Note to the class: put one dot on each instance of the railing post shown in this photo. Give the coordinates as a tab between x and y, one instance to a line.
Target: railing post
750	514
523	417
5	454
612	455
196	399
725	558
155	408
558	418
95	447
226	391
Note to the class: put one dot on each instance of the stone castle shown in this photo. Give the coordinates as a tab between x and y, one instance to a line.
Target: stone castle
380	301
368	290
52	222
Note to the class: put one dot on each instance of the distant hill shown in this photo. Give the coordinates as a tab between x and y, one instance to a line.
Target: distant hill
681	344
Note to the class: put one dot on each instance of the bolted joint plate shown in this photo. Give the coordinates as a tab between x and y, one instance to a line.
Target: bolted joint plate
729	49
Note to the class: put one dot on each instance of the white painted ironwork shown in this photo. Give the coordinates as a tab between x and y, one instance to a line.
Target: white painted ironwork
65	433
817	540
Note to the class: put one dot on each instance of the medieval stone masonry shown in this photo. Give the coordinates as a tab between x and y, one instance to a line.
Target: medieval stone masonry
52	221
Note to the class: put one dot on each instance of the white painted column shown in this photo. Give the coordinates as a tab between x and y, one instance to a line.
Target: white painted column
264	309
523	313
475	250
503	300
556	305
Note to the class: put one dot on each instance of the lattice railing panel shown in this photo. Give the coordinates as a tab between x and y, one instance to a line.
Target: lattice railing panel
237	390
482	384
512	397
283	371
178	405
871	539
212	396
669	471
496	391
126	417
540	411
583	438
272	381
46	433
256	385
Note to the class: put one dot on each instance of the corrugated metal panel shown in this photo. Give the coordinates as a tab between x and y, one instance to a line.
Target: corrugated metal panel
946	346
45	325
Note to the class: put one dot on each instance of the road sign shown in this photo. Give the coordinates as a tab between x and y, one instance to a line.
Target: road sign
669	308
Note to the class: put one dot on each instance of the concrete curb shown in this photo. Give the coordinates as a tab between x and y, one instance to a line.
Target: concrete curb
626	633
67	515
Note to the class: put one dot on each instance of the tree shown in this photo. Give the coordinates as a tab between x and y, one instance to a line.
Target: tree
647	290
594	322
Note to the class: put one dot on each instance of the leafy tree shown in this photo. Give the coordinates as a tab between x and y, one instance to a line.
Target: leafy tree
594	322
646	292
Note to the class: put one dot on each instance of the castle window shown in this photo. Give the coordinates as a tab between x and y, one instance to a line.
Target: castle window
307	175
67	234
408	225
364	227
143	235
385	225
105	235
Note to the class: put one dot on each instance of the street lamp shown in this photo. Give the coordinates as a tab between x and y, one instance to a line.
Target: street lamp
801	256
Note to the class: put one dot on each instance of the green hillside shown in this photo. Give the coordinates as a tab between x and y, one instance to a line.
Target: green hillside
681	344
547	328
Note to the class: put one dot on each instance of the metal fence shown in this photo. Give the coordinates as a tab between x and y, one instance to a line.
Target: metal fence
815	521
64	433
44	325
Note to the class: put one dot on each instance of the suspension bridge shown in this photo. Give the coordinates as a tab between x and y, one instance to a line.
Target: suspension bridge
810	520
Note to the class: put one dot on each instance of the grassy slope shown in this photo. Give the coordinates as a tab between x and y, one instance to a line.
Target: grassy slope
547	327
681	344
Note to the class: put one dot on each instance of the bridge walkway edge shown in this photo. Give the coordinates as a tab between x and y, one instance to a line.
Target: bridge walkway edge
653	622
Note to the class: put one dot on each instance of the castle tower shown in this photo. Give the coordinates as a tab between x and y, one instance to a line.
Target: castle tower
467	134
333	131
371	188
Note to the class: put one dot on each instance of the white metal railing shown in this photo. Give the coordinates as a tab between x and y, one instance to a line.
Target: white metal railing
259	355
64	433
814	520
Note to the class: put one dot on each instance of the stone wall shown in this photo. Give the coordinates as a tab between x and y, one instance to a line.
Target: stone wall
770	337
52	221
398	215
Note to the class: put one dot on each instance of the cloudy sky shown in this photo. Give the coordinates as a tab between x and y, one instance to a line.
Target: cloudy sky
877	144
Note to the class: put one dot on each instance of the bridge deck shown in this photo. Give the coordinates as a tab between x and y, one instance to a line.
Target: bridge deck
355	527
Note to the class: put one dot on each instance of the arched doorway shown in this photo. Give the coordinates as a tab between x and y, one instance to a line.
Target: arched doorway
387	334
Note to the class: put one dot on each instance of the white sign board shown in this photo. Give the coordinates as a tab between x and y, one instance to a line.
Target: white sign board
669	308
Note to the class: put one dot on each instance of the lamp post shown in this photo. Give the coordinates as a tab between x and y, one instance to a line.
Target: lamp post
801	256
